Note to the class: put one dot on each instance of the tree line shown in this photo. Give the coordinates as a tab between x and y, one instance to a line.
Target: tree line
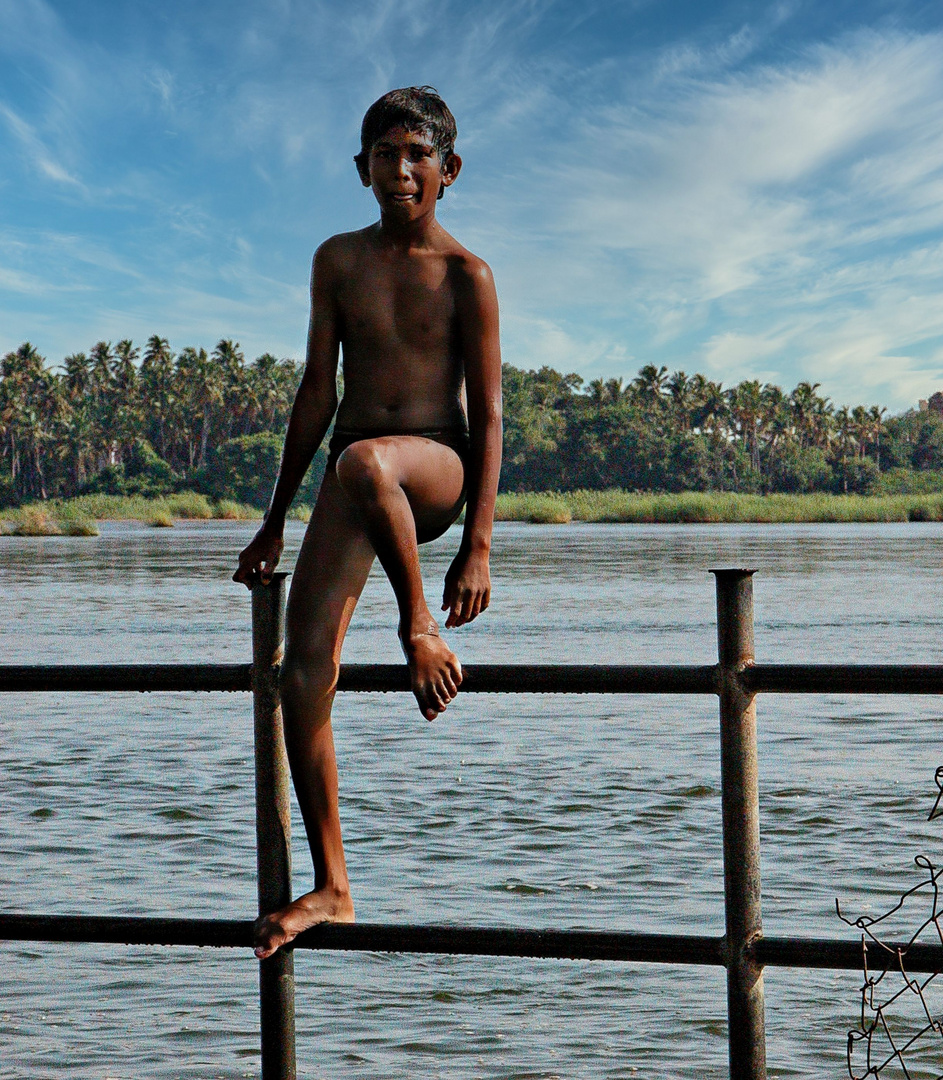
664	431
125	420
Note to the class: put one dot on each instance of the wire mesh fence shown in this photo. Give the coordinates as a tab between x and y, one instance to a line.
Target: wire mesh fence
900	1028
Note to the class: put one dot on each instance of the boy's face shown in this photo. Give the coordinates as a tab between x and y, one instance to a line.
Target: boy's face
406	175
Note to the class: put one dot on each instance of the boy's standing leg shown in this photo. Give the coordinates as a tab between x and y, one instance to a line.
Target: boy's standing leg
383	492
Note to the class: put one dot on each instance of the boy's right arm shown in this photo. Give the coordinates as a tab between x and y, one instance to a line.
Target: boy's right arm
311	414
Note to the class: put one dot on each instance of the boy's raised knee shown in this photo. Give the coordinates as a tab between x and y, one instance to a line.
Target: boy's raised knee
363	470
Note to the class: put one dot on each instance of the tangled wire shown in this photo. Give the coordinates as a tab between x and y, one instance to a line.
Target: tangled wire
897	1017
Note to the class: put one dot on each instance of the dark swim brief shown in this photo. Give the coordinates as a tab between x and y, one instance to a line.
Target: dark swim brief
457	438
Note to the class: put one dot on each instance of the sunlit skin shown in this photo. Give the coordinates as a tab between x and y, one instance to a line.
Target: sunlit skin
417	317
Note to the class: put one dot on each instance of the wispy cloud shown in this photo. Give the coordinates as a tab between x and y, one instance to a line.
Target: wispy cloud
38	154
701	198
726	213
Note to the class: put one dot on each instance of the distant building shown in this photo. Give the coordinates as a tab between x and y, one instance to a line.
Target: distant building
923	405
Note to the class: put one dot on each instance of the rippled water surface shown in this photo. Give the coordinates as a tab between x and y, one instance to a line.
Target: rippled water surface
596	812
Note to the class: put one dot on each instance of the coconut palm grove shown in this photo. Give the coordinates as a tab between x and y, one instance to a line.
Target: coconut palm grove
125	420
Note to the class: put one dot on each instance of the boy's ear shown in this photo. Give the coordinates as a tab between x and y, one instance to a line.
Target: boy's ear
451	167
363	168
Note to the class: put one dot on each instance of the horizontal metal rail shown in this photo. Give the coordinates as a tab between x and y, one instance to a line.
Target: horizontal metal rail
494	678
743	951
843	679
617	946
365	678
116	678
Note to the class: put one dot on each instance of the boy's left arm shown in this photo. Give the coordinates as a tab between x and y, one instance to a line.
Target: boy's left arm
468	582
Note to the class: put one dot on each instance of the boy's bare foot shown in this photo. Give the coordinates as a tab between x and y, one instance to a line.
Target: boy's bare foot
434	669
278	929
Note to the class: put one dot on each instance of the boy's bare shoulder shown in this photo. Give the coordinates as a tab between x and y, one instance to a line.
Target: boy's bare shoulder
344	252
338	250
467	268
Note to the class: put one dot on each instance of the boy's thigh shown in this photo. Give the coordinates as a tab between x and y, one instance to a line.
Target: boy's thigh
431	474
331	570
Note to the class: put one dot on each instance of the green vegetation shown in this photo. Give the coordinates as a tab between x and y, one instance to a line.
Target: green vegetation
75	523
77	517
114	430
227	510
714	507
117	422
160	518
44	521
300	512
675	433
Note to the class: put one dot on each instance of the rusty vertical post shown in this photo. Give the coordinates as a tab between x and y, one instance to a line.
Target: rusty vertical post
741	824
272	826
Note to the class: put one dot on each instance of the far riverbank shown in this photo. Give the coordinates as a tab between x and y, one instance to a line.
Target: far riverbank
78	517
714	508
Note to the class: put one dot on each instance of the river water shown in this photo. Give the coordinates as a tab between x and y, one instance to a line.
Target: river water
590	812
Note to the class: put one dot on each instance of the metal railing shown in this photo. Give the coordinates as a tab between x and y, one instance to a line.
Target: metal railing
736	680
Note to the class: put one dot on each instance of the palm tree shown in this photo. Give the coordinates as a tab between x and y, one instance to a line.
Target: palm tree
125	398
876	429
845	430
649	384
157	397
803	404
862	429
199	390
746	406
712	408
102	403
232	368
682	392
31	405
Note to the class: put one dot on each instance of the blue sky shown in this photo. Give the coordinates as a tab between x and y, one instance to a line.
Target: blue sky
750	190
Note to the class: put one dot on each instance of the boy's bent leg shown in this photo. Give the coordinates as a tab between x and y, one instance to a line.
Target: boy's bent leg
329	576
404	487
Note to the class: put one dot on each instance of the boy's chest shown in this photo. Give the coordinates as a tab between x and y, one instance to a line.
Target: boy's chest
405	300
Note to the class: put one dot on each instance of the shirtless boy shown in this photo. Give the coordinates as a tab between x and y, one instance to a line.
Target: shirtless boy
417	318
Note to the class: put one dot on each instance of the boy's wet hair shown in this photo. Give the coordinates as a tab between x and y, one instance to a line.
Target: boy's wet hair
415	108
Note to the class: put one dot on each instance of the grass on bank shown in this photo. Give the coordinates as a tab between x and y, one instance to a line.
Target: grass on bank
37	521
78	517
694	507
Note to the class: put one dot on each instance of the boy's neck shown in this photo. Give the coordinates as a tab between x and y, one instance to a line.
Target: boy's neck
418	233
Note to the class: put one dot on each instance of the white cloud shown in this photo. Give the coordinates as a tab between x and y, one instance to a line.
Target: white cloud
716	204
38	155
735	356
733	207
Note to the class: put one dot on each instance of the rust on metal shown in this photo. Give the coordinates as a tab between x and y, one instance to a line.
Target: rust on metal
462	941
367	678
118	678
492	678
844	679
841	955
545	678
740	807
273	826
